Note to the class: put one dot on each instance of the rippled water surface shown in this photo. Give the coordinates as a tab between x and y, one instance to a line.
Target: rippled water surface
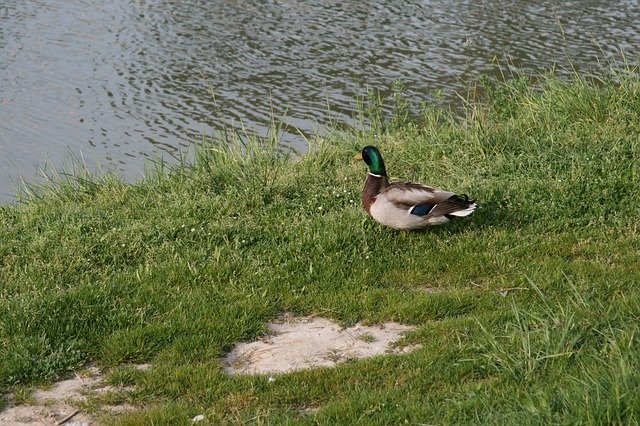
116	82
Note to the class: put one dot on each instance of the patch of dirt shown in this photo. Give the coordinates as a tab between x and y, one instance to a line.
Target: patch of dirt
61	404
308	342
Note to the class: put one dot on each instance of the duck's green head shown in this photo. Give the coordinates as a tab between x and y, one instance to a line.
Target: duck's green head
372	157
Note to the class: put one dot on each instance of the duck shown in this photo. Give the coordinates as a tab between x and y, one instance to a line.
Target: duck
407	205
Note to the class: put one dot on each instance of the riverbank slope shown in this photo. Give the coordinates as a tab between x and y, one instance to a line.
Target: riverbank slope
526	312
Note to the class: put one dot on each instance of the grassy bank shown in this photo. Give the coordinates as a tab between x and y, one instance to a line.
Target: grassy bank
536	315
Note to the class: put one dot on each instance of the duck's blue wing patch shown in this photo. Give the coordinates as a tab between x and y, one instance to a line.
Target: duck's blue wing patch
422	209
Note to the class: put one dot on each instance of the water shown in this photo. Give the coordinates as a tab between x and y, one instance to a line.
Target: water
117	82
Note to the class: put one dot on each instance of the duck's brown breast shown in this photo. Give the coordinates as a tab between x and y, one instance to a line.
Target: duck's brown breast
372	187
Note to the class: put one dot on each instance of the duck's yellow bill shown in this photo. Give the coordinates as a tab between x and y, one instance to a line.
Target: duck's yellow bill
358	156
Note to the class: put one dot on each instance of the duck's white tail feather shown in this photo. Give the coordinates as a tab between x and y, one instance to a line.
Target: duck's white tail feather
465	212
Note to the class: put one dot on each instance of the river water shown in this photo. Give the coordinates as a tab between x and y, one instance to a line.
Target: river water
120	81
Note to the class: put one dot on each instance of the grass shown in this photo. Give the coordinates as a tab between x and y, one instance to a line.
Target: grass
535	320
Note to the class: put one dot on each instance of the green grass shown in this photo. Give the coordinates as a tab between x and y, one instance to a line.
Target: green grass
536	317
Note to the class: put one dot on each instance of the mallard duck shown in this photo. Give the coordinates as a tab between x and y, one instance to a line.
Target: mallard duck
407	205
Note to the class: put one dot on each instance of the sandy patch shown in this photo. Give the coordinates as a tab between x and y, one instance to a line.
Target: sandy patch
308	342
61	404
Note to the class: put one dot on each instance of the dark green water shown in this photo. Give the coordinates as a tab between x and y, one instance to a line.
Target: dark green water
116	82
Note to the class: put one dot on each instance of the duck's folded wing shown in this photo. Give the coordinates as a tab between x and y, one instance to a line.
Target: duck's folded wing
409	194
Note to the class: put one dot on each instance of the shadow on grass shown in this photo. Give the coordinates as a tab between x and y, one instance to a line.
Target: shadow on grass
492	214
488	215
